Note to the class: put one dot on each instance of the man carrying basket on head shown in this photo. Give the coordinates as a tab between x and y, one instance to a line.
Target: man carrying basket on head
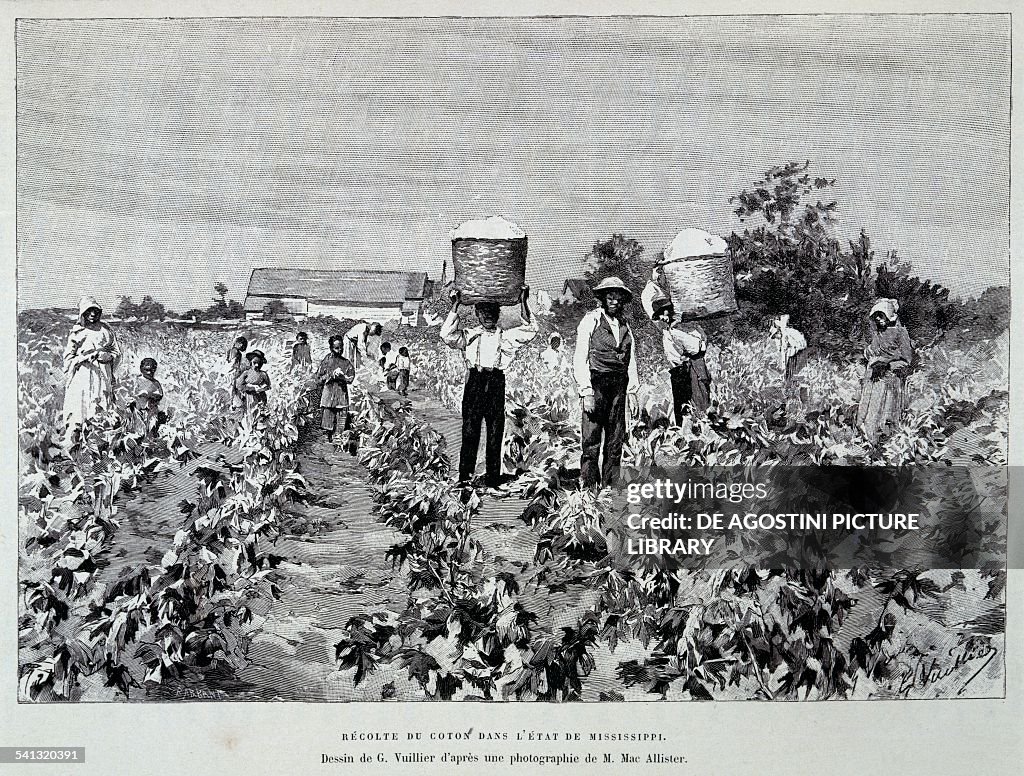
489	350
694	281
604	365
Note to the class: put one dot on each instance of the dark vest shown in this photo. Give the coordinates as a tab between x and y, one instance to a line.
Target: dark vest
605	356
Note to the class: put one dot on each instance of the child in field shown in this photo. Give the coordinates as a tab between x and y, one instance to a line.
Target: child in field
335	372
301	357
147	396
403	368
254	383
235	369
387	364
553	356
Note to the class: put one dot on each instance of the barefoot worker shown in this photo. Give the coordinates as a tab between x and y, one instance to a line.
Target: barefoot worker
489	350
604	365
684	344
335	373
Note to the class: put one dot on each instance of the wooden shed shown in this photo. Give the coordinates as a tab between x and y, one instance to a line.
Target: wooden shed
359	294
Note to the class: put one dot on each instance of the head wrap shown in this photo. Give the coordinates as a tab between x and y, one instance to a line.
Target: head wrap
87	303
888	308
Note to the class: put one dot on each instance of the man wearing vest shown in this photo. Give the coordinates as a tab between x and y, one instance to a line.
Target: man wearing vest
489	350
604	365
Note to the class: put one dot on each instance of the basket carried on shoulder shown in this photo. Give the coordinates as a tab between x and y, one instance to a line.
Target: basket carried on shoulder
489	259
699	276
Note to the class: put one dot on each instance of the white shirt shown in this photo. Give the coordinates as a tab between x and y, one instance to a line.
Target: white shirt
358	335
581	357
489	349
791	342
682	342
554	359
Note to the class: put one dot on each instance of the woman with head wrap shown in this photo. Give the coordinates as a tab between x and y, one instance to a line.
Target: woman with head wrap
889	356
90	358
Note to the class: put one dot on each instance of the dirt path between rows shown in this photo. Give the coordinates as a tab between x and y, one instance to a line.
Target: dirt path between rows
334	569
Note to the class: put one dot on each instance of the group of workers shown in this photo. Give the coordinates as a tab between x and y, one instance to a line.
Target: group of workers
92	355
603	364
336	371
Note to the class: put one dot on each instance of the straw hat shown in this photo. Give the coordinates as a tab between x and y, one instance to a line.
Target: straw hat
256	354
612	284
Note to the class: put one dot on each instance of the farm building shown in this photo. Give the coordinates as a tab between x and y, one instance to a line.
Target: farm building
379	296
576	290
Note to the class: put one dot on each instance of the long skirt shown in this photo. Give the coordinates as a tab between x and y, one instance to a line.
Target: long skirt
334	418
794	364
882	402
89	390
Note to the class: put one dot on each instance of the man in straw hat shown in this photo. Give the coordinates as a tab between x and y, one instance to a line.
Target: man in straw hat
684	344
489	350
604	365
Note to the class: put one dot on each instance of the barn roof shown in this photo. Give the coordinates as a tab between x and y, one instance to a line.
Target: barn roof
328	285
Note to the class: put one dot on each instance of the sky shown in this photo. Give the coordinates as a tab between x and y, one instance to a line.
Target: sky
162	156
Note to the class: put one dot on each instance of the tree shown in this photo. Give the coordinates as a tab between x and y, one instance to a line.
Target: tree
274	309
151	310
126	308
791	262
222	292
987	316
